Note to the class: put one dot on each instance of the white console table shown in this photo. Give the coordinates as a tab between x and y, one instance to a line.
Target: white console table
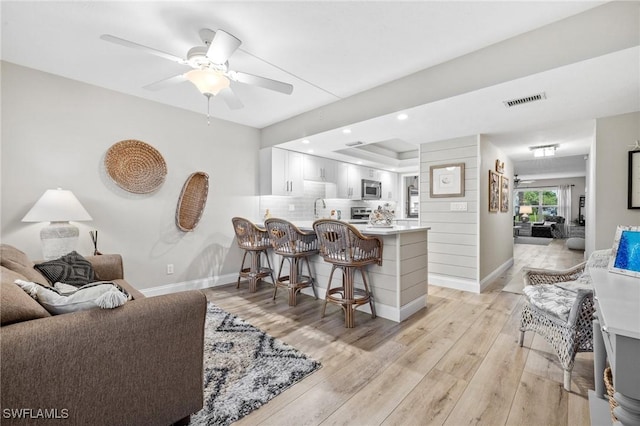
616	339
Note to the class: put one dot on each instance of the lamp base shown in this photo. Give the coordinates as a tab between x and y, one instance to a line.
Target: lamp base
58	239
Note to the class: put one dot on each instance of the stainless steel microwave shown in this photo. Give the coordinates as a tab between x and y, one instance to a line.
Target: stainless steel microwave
371	189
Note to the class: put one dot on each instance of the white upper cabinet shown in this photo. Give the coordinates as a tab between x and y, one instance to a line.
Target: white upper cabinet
281	172
349	181
389	185
319	169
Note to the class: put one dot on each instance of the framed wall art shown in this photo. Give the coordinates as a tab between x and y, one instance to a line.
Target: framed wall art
626	245
446	180
494	191
499	166
504	194
634	180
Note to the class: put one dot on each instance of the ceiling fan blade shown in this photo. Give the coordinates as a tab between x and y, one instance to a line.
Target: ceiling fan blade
230	98
167	82
267	83
127	43
222	47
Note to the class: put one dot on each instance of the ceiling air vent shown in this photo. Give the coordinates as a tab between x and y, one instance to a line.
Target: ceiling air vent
525	100
356	143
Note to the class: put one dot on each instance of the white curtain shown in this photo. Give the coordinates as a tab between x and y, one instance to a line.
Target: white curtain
564	202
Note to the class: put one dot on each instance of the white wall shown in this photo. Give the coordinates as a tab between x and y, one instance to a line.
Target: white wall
614	135
453	239
496	228
55	133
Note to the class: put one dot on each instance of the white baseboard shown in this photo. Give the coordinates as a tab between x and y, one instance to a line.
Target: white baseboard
454	282
495	274
190	285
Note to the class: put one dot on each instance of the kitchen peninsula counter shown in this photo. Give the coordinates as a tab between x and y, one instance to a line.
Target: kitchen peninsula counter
399	286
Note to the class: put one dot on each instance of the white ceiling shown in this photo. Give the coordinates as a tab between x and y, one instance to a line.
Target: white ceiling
329	51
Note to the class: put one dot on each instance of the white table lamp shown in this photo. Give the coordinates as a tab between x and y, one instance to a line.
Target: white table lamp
57	206
525	211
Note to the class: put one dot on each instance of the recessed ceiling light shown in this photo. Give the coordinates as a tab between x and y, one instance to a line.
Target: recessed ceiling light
359	162
346	131
305	141
402	116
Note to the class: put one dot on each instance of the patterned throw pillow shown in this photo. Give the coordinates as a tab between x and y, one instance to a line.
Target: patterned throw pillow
102	294
71	269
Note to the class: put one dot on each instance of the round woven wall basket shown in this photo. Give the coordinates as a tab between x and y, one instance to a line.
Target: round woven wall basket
135	166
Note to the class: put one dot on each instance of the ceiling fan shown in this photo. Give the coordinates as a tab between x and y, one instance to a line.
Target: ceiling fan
211	73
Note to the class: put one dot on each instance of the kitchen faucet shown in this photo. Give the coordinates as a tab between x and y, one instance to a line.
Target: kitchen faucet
315	207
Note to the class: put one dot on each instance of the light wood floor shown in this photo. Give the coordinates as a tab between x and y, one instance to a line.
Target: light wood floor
455	363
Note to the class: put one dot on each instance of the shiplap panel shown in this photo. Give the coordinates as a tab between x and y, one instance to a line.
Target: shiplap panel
414	292
453	228
453	271
415	263
413	250
448	238
453	260
453	247
457	249
450	217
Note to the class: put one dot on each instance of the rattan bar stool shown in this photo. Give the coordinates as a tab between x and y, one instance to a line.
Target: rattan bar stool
255	242
347	249
295	246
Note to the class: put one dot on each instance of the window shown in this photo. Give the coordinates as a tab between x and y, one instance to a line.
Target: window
543	202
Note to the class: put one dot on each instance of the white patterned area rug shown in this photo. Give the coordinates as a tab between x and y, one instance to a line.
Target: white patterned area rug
244	368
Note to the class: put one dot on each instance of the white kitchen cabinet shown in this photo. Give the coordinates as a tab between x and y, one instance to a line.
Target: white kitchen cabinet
389	185
349	181
319	169
281	172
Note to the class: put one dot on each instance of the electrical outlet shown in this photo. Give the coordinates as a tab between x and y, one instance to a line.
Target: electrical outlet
169	268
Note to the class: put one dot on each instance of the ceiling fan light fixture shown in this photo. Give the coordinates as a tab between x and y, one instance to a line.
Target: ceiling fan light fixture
209	82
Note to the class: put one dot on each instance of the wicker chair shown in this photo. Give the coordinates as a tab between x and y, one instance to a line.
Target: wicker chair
562	315
295	246
255	242
347	249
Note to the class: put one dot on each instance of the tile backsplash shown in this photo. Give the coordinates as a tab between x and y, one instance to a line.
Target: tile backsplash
301	208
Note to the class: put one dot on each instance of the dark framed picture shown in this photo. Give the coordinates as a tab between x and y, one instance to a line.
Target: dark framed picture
494	191
446	180
634	180
504	194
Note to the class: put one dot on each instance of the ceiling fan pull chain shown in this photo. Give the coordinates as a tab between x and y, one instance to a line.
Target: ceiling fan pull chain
208	107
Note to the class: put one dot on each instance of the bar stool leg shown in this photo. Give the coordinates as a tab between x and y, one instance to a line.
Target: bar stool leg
366	288
255	270
241	268
293	280
349	306
326	295
275	283
313	286
266	254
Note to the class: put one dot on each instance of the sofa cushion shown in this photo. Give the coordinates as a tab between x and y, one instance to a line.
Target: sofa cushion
15	304
70	269
18	261
101	294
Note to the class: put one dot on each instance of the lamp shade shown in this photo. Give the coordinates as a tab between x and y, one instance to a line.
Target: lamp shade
208	82
526	210
57	205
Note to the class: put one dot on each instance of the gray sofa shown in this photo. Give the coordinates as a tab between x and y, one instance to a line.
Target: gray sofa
140	363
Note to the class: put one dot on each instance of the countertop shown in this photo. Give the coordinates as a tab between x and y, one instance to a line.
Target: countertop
366	229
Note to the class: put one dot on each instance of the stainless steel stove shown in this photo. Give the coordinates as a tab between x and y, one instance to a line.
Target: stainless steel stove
360	214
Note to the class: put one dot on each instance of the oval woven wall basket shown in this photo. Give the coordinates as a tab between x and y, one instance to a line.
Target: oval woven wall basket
135	166
192	201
